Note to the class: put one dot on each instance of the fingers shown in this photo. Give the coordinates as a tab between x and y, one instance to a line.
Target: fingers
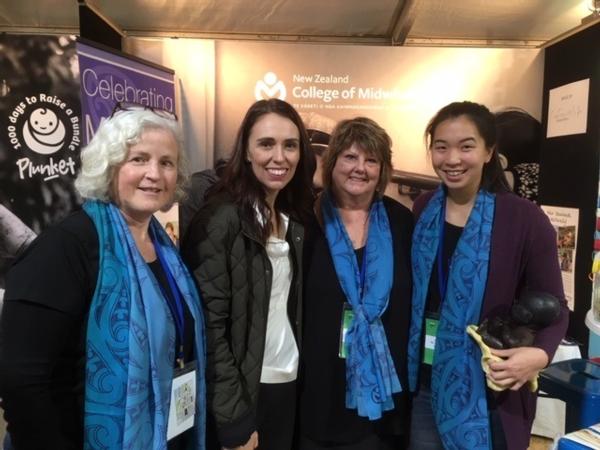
502	378
498	366
506	383
519	365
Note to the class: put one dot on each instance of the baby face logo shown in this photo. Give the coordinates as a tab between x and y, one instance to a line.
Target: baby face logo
269	87
44	125
44	132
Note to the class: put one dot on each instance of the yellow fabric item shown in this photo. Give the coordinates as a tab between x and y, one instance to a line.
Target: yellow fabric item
487	357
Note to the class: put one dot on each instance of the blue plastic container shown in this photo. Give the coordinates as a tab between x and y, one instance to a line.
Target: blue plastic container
577	383
594	326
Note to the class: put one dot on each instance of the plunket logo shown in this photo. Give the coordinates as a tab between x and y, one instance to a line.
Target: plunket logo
44	125
44	132
270	87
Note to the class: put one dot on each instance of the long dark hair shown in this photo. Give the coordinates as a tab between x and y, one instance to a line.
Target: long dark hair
492	179
239	180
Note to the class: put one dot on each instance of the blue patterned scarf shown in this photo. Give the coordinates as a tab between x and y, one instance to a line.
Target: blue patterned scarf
131	341
371	377
457	382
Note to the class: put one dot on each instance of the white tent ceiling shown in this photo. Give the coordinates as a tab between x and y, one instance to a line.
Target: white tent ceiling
511	23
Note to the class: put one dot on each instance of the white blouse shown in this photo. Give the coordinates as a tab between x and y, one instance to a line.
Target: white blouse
280	360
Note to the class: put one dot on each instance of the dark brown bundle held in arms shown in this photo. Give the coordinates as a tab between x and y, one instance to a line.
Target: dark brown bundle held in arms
530	313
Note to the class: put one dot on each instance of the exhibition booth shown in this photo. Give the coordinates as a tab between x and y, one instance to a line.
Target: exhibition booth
209	84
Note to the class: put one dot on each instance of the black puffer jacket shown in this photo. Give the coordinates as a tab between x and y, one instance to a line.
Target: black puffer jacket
234	275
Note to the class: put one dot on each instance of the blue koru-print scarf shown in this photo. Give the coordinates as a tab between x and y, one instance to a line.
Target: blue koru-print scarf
457	384
131	341
371	377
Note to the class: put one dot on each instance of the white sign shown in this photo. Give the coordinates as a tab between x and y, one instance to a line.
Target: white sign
568	109
565	221
336	83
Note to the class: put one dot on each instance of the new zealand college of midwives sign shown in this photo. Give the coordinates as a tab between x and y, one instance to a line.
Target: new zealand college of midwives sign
307	87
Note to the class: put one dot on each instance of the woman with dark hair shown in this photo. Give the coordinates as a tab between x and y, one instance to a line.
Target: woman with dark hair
476	246
354	386
245	249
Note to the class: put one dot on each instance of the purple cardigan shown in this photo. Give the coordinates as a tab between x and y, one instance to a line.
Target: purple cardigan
523	254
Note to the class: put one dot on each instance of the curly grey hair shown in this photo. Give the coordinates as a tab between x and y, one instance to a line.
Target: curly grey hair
110	145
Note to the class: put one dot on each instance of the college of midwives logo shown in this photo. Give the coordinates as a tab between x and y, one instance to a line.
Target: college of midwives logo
44	125
270	87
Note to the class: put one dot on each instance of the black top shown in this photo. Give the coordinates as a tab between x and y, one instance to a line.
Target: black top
323	414
452	234
42	335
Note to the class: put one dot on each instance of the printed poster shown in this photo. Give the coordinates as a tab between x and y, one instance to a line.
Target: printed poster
40	138
111	77
566	222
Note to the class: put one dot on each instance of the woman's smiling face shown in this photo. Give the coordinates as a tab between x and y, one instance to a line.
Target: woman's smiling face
274	152
458	154
145	182
355	174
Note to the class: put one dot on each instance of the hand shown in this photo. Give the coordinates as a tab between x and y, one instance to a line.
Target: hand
250	445
520	365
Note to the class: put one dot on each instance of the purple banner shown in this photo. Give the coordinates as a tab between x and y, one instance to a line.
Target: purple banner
108	78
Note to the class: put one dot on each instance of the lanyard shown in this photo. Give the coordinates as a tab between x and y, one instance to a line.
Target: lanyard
177	308
363	272
363	265
442	275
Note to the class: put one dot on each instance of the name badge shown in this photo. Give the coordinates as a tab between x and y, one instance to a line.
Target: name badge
431	327
183	400
347	318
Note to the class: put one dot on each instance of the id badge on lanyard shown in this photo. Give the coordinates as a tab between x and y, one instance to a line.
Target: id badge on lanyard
348	312
347	318
431	327
182	411
432	320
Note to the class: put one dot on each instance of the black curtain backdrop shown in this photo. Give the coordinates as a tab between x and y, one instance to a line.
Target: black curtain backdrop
569	164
